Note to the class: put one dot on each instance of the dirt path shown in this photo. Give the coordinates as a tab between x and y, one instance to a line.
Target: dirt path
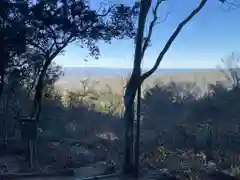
80	173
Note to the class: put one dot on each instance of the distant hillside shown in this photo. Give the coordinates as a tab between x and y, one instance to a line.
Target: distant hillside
95	71
114	77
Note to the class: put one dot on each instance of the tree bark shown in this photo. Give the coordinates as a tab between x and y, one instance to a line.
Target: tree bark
36	109
4	59
2	74
131	89
129	120
137	138
37	105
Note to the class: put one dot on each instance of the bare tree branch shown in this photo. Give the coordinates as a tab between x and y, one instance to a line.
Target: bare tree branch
33	44
54	36
231	69
159	22
231	4
105	13
150	29
172	38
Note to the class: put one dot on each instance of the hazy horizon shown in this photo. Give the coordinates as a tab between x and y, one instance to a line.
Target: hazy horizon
108	71
165	68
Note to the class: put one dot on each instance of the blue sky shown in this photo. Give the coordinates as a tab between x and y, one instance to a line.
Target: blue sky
211	35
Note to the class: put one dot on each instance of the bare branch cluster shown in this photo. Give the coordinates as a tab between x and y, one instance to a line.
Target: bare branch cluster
172	37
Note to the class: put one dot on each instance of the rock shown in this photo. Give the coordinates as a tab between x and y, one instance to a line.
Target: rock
78	153
57	154
163	174
65	154
3	168
211	165
92	170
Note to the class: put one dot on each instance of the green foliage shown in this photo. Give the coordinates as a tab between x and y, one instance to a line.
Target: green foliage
14	34
173	115
202	123
13	29
38	31
59	24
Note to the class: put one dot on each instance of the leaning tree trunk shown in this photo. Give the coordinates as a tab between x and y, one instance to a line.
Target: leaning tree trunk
35	114
137	136
37	104
130	93
37	101
129	97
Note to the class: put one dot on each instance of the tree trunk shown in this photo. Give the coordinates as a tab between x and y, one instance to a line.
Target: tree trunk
1	82
4	58
137	137
37	105
129	122
36	110
131	89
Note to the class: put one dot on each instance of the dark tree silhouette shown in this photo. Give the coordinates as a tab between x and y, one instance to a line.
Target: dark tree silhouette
52	25
59	23
13	38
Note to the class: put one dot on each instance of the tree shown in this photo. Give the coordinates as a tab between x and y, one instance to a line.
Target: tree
59	23
52	25
137	78
231	69
29	65
13	31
